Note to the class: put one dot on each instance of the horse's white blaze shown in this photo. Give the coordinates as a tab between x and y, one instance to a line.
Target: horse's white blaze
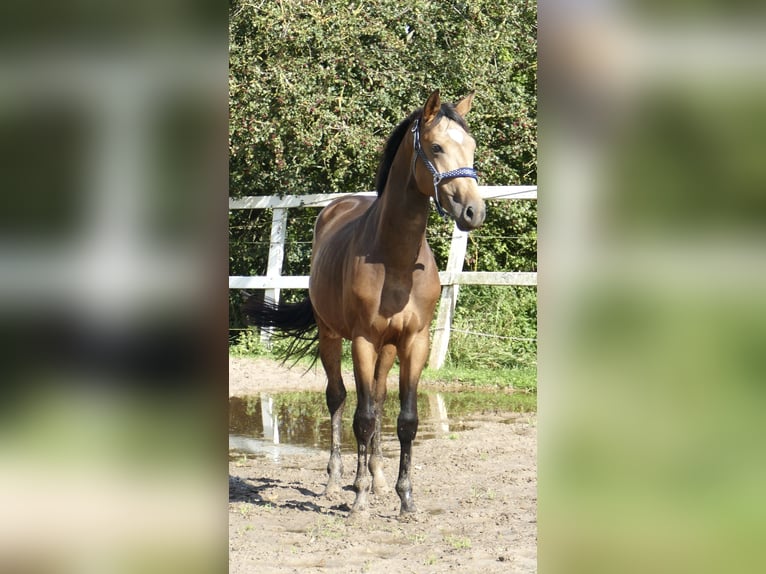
456	134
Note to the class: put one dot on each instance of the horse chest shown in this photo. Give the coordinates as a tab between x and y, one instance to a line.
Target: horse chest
402	310
394	300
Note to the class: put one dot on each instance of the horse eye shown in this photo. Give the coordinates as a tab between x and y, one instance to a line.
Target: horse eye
437	148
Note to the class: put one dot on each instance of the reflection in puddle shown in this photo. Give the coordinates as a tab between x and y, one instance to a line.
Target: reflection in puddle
269	419
280	424
439	411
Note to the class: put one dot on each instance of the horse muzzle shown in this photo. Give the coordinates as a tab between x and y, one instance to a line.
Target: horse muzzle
471	215
466	208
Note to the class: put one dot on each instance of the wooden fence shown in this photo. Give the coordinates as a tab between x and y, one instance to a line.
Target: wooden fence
451	278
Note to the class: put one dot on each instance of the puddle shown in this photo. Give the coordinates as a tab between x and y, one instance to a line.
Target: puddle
281	424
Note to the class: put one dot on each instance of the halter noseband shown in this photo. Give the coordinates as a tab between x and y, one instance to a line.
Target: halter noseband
438	177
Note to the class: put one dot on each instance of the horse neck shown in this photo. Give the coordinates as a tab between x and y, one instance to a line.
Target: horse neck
402	215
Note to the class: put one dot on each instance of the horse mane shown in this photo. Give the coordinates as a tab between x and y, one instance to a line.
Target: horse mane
396	137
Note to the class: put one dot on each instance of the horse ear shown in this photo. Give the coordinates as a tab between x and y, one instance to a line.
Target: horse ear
464	105
432	107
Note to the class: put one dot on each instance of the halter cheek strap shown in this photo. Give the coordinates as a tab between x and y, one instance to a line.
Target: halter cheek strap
438	177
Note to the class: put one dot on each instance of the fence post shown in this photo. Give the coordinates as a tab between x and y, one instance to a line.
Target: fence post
276	257
448	300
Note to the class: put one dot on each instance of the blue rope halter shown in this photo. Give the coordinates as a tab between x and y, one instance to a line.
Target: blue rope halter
438	177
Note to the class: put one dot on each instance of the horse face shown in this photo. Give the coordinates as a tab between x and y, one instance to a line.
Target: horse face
449	146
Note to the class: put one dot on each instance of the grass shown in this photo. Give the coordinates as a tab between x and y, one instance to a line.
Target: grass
417	538
486	493
519	378
458	542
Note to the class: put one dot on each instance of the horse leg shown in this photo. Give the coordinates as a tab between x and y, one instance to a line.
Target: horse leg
383	366
330	353
412	357
365	357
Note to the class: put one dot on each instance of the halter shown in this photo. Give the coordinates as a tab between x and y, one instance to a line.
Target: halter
438	177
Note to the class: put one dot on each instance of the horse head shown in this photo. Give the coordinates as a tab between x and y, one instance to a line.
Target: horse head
446	147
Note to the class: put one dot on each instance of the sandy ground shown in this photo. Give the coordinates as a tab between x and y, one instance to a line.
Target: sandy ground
476	493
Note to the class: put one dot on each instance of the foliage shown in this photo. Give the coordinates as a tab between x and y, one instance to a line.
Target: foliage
508	312
247	344
317	86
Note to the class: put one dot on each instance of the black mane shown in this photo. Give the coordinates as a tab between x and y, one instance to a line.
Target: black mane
396	137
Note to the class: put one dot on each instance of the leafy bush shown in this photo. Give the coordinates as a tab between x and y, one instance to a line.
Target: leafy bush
316	88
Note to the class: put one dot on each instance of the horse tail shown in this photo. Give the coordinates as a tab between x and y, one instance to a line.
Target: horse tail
295	321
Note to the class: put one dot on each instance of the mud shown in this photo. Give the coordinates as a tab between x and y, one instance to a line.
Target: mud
475	488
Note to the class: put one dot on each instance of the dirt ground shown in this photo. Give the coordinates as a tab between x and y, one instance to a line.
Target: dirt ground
476	493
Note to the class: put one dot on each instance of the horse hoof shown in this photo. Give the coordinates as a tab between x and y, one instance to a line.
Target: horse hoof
409	515
408	507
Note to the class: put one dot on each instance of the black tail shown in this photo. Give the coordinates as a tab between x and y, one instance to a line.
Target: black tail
295	321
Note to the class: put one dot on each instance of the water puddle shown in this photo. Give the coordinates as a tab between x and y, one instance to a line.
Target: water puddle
281	424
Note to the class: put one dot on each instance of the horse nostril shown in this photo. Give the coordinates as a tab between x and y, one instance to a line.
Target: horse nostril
469	212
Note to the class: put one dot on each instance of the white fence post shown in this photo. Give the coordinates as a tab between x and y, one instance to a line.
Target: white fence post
276	257
448	300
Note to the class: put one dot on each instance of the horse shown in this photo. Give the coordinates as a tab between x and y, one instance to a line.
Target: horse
374	281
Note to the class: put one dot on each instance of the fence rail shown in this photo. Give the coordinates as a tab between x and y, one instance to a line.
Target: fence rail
451	278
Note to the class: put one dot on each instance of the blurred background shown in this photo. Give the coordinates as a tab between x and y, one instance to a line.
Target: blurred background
113	188
652	315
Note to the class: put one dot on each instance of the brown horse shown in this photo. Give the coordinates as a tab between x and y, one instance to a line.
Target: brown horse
374	282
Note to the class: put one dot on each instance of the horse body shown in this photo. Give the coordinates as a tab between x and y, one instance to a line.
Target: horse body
374	281
383	304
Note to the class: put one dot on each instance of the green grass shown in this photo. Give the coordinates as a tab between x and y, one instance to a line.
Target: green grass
520	378
458	542
495	327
